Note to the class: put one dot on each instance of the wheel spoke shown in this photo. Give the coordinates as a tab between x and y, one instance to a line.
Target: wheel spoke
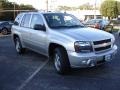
17	46
57	62
4	32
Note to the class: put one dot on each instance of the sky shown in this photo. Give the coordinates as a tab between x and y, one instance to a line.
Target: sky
41	4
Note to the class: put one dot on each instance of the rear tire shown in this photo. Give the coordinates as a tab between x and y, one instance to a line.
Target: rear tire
18	46
4	31
61	61
119	34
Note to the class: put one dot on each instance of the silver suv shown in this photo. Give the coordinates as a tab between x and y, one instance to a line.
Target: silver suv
62	38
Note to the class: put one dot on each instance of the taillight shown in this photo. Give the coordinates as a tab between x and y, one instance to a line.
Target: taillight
97	25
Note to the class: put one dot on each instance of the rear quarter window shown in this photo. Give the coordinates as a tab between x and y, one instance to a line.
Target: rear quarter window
18	19
26	21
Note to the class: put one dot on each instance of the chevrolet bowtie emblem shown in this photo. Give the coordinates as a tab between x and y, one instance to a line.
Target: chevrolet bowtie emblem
104	44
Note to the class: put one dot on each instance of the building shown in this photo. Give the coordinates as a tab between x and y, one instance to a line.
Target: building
86	14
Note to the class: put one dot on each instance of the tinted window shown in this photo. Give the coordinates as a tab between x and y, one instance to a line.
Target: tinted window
105	22
6	23
91	22
60	20
36	19
18	19
98	21
26	20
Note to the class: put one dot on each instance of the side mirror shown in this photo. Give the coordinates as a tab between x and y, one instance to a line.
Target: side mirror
39	27
16	23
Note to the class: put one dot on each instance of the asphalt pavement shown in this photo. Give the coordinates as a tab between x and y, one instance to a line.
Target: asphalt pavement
33	71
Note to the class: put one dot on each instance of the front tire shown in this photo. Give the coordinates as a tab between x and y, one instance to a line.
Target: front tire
61	61
119	34
18	46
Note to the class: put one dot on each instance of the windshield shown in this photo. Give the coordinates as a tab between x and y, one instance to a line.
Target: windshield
60	20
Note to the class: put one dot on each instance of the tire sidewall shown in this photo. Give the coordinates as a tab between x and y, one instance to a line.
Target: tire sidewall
64	61
4	31
17	40
59	54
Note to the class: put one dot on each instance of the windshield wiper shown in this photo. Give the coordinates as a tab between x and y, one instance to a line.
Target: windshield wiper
76	26
59	27
73	26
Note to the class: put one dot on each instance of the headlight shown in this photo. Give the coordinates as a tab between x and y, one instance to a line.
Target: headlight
83	47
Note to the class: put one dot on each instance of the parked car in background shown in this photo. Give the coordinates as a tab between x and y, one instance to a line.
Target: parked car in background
5	27
119	33
100	24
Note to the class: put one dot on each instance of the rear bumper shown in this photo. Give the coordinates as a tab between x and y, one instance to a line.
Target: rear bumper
78	60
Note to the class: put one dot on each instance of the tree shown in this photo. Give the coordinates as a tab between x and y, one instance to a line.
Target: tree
6	5
118	6
86	6
109	9
64	8
26	7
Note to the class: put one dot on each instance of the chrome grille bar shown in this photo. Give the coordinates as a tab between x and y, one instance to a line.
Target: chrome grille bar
102	45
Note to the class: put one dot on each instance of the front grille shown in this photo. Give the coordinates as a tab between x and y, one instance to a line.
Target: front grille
102	48
102	45
102	41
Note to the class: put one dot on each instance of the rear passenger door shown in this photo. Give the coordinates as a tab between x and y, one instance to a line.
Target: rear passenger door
38	37
25	29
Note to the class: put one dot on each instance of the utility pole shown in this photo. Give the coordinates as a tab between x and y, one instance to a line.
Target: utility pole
14	10
53	5
95	9
47	5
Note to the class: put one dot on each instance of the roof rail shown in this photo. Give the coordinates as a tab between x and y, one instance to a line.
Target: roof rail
18	10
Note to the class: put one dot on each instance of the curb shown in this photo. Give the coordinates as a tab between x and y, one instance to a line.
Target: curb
4	36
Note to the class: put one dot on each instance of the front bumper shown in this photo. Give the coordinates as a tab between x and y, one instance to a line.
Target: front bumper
78	60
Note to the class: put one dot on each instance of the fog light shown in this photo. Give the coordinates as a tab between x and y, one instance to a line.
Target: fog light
84	62
90	62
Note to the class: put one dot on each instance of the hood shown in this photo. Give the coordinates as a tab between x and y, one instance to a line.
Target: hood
86	34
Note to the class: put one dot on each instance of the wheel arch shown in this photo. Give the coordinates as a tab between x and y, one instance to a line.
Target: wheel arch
5	28
52	47
15	36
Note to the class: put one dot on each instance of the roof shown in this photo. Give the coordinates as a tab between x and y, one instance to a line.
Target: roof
41	12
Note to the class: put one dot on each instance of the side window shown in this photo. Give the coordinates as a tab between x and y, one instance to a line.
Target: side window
36	19
91	22
18	19
6	23
26	20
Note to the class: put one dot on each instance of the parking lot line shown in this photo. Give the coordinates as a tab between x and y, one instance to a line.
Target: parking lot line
32	76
